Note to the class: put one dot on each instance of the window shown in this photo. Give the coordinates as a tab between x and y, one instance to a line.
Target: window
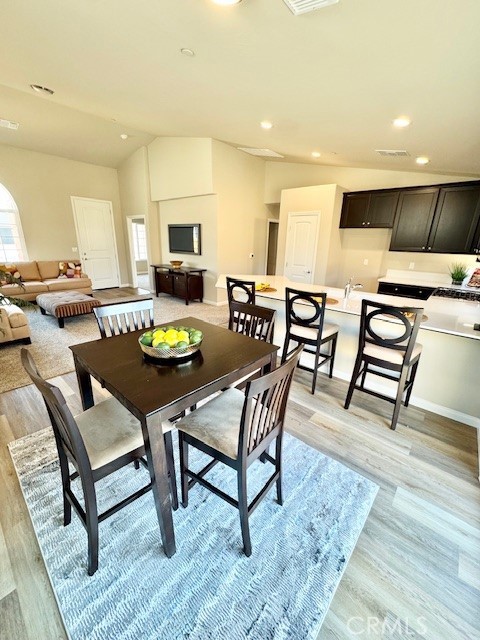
12	242
139	241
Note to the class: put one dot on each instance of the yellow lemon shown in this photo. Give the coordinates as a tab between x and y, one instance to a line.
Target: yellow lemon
183	336
156	341
159	333
171	337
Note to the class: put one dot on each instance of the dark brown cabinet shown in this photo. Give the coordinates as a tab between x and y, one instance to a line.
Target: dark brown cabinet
443	219
369	209
185	283
405	290
413	220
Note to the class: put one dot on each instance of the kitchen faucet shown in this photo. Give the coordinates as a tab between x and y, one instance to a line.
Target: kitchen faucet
351	287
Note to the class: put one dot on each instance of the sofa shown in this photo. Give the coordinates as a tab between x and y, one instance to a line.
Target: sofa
13	324
44	276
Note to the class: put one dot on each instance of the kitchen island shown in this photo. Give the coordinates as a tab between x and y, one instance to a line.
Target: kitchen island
446	381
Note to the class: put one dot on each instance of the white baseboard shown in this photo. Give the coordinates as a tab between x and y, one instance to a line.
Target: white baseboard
421	403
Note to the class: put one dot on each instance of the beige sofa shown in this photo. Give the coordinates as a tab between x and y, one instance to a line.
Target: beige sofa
41	276
13	324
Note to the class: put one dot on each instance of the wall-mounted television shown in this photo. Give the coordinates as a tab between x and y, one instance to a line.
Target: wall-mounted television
184	238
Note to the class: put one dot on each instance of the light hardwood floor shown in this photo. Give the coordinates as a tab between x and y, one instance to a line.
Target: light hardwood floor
415	572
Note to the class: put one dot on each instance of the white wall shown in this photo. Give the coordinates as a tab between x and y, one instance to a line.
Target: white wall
180	167
285	175
326	199
134	183
41	185
242	215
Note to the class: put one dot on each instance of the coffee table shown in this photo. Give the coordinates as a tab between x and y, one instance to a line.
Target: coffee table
156	392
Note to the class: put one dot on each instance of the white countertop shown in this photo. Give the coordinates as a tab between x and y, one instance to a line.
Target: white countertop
426	279
445	315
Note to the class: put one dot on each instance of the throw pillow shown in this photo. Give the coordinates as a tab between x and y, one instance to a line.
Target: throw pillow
69	269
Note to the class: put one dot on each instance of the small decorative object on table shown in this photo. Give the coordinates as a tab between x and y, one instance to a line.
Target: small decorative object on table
264	286
176	264
458	272
169	342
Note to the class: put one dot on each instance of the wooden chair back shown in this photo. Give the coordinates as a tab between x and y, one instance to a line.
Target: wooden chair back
265	404
252	320
123	317
399	334
68	439
240	290
304	309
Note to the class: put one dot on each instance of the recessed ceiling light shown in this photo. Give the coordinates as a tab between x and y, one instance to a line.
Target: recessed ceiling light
226	2
265	124
39	89
187	52
401	122
316	154
124	136
422	160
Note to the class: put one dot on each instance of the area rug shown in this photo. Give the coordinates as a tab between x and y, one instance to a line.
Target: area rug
50	344
209	589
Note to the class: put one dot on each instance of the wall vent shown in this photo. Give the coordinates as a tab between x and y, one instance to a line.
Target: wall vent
393	153
8	124
305	6
265	153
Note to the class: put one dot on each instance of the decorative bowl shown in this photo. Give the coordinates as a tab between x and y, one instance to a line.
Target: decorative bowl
176	264
170	353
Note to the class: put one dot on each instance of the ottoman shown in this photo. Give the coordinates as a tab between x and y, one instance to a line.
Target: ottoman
66	304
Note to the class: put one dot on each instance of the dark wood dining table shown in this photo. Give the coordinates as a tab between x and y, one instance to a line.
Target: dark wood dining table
155	392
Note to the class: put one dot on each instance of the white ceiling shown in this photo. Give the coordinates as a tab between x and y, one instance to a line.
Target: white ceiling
330	80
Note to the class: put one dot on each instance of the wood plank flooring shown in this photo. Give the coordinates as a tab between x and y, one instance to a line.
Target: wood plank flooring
415	572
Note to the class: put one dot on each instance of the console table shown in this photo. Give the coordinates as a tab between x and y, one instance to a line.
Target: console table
184	282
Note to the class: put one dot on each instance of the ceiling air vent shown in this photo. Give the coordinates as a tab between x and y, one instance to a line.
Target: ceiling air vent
265	153
393	153
305	6
8	124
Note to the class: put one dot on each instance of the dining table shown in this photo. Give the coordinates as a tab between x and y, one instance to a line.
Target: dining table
156	390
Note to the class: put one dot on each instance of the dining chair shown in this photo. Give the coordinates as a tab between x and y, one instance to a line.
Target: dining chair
240	290
123	317
252	320
98	442
236	428
387	341
305	324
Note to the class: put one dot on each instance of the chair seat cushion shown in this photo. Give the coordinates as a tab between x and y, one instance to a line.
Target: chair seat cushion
311	334
110	431
390	355
217	423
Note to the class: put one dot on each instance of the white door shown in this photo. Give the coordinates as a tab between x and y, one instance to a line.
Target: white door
96	241
301	246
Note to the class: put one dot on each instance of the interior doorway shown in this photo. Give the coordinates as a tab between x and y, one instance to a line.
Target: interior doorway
138	245
272	243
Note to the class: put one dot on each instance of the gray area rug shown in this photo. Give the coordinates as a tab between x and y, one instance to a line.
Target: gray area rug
50	343
209	589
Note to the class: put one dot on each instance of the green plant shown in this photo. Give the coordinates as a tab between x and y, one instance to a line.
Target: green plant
458	271
7	278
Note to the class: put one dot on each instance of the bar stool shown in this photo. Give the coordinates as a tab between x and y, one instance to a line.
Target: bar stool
387	342
305	314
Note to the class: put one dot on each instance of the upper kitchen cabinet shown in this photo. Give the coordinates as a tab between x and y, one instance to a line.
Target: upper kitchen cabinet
369	209
439	219
414	218
456	219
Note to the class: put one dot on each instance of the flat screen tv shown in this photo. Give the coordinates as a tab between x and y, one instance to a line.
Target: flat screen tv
184	238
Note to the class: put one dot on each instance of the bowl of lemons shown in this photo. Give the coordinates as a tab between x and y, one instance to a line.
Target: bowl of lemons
170	342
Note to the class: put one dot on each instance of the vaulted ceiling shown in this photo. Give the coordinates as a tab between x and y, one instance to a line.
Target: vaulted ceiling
331	80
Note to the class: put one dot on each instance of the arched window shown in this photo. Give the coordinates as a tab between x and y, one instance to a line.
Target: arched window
12	242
